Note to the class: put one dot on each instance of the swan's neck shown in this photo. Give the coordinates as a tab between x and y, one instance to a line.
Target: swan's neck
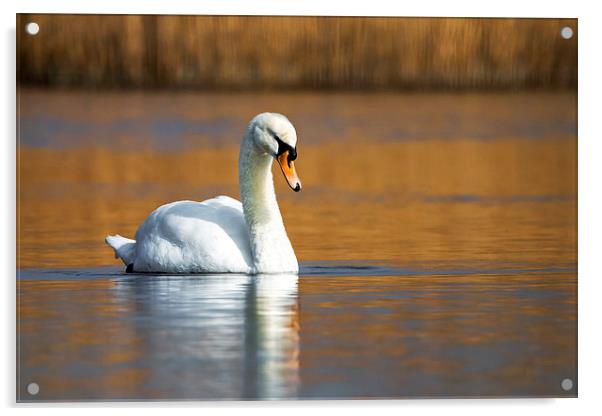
272	250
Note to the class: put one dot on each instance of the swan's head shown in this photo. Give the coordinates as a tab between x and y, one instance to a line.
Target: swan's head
275	135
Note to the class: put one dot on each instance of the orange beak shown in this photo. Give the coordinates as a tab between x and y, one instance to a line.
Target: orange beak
288	169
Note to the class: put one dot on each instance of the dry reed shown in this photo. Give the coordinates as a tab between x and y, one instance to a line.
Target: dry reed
238	52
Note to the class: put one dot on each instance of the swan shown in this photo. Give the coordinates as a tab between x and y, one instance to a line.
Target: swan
223	235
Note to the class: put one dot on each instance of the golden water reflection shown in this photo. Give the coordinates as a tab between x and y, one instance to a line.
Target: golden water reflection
472	197
436	200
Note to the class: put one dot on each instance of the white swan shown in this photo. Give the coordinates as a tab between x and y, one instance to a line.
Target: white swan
221	235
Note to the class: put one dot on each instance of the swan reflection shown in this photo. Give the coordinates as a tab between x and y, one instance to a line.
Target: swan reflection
216	336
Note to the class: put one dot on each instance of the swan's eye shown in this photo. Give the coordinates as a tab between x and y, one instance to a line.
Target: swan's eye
284	147
292	154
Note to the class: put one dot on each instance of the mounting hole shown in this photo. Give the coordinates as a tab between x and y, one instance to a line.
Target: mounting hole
567	384
32	28
566	33
33	388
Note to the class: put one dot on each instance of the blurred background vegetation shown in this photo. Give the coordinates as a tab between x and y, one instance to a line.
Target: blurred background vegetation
254	52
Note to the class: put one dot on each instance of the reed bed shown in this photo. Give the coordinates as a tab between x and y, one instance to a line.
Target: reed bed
259	52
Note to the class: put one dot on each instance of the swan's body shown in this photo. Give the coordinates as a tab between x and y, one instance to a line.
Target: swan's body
223	235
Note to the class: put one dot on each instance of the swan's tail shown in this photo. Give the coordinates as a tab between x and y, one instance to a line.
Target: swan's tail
125	249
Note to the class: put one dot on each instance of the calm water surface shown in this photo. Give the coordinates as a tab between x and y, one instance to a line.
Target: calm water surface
436	234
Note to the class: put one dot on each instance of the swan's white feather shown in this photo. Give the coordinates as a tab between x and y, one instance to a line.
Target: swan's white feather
195	237
125	248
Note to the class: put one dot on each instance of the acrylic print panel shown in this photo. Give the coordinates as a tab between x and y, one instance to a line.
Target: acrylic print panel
430	252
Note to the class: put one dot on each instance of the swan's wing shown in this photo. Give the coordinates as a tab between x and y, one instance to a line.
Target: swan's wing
224	201
194	236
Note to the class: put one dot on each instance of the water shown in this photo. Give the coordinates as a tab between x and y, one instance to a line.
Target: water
436	233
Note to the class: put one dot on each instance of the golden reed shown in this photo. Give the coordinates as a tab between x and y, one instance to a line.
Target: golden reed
241	52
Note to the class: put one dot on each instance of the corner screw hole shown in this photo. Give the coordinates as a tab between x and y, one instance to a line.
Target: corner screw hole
32	28
566	33
567	384
33	388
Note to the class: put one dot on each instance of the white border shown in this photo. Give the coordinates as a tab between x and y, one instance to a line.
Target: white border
590	206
